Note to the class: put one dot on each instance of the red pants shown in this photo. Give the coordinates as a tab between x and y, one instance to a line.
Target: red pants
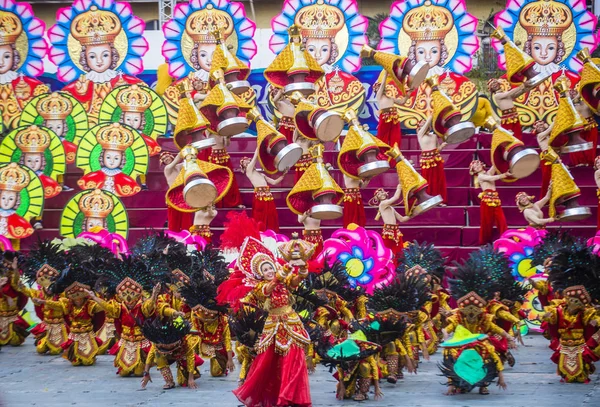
491	214
510	121
388	129
393	239
587	157
264	210
432	169
286	127
354	209
178	221
546	169
233	197
315	237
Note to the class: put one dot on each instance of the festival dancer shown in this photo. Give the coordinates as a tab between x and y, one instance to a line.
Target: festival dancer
392	237
575	320
42	266
278	375
589	133
354	208
13	328
548	156
202	220
388	128
84	316
219	155
177	220
491	212
285	124
306	159
505	102
264	210
532	211
210	324
432	163
172	343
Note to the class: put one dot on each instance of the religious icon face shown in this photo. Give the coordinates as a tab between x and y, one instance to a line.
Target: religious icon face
98	57
91	223
8	200
57	126
6	58
133	119
267	270
205	55
320	49
428	51
112	159
544	49
33	161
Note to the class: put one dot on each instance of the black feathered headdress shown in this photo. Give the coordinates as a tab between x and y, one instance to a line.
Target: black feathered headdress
201	294
46	259
334	280
550	245
404	294
424	255
247	325
115	271
166	332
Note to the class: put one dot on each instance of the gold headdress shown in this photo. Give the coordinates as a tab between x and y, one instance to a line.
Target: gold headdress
10	28
55	107
428	22
32	140
579	292
115	137
134	99
202	23
471	298
319	20
96	27
47	271
129	284
13	178
96	204
545	17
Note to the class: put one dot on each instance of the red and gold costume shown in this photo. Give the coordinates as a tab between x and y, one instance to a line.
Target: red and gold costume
184	356
215	342
13	328
509	120
491	214
14	179
432	169
388	129
233	198
393	238
264	210
286	126
354	208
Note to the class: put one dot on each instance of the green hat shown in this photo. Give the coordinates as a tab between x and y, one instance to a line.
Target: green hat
462	336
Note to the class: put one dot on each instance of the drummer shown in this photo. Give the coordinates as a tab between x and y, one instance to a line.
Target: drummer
505	102
392	237
532	211
219	155
432	163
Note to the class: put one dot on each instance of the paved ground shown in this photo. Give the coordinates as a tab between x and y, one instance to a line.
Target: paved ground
28	379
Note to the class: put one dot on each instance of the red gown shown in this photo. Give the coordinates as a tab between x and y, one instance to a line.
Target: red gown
278	376
119	184
233	198
354	209
15	227
491	214
388	129
264	210
432	169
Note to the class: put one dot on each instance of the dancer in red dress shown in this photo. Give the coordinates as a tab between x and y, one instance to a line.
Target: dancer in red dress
220	156
279	375
392	237
177	220
491	207
354	208
432	163
264	210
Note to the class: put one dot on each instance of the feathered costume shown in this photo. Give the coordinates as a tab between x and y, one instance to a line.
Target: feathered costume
13	328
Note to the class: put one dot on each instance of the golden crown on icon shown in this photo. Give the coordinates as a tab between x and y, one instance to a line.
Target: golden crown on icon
10	28
545	17
201	24
32	140
428	22
96	204
319	20
115	137
55	107
13	178
134	99
96	27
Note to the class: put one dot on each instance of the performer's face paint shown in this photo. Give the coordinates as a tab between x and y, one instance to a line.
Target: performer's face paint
98	57
205	55
112	159
544	49
57	126
6	58
268	271
33	161
133	119
8	200
320	49
429	51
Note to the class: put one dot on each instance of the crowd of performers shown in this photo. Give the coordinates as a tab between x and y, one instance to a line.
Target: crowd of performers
280	314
